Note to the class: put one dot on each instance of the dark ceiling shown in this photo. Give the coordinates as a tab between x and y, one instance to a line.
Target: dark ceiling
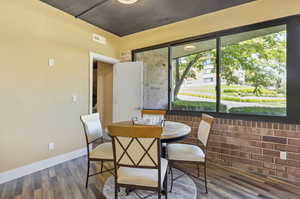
122	19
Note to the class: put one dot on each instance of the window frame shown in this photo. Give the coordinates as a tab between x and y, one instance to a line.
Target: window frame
291	117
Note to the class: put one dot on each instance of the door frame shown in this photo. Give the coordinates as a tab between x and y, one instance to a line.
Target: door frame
96	57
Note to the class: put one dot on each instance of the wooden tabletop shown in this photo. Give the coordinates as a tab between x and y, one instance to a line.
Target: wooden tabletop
172	130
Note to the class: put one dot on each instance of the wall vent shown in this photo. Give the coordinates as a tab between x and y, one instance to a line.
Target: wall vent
99	39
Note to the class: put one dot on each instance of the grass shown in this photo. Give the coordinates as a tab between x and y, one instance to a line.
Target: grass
232	98
269	111
197	106
211	107
234	90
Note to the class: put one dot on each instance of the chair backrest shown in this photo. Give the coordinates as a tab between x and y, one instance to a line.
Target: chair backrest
136	145
154	115
92	126
204	128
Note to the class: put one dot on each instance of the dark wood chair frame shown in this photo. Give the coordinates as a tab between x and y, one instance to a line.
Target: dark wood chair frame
134	165
89	159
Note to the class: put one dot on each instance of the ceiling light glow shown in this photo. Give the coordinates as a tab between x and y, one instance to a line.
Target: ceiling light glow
189	47
127	1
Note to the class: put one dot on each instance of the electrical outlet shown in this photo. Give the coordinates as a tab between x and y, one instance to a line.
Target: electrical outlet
283	155
51	146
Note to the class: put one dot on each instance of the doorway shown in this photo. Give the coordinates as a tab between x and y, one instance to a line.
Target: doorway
103	91
101	87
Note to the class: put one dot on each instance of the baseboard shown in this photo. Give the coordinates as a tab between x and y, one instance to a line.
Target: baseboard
40	165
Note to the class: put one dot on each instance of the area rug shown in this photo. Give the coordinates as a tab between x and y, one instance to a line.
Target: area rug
183	188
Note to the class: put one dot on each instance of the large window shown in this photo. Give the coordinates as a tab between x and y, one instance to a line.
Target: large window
242	71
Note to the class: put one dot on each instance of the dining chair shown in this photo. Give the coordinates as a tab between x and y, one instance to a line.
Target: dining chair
93	134
188	153
154	115
137	158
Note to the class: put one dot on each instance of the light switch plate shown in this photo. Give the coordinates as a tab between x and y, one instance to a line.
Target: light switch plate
74	98
51	62
51	146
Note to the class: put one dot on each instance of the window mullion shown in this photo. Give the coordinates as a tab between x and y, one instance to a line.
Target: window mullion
218	83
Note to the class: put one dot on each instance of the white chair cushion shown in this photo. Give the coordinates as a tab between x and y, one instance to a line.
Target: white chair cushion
185	152
103	151
142	177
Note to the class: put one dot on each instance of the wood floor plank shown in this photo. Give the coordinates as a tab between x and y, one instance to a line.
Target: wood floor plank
67	181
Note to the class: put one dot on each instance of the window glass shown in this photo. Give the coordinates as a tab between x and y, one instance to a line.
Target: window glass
253	72
155	78
194	76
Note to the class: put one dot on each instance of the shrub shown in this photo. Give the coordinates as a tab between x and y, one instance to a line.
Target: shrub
269	111
197	106
245	91
233	98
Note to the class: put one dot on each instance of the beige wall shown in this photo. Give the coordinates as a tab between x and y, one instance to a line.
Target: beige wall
36	105
36	101
105	92
258	11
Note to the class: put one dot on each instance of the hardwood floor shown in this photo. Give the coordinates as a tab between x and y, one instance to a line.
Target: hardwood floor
67	181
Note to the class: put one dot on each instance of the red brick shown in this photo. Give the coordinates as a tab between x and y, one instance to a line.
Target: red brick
288	148
291	163
293	156
271	152
238	143
262	158
269	165
295	142
289	134
281	168
293	173
281	174
268	145
255	143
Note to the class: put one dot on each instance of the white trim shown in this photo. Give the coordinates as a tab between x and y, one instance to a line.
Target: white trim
97	57
40	165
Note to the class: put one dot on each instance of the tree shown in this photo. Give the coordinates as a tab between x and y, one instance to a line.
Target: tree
184	65
263	59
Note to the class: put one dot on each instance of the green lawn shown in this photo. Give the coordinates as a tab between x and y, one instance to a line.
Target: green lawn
270	102
237	93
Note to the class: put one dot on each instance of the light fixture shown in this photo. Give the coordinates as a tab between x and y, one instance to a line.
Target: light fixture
189	47
127	1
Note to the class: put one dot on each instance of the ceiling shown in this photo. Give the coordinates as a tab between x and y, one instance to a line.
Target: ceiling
122	19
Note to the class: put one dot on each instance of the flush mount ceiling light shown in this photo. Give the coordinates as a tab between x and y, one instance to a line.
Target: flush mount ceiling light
189	47
127	1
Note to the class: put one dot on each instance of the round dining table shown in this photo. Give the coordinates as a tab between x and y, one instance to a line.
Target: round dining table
172	131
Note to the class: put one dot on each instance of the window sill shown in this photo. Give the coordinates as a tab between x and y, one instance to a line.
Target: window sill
279	119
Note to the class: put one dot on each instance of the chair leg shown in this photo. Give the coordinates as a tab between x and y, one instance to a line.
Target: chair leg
172	179
159	194
116	191
87	174
166	186
101	166
206	191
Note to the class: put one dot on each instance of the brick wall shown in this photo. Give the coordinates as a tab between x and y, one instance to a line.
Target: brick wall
250	145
